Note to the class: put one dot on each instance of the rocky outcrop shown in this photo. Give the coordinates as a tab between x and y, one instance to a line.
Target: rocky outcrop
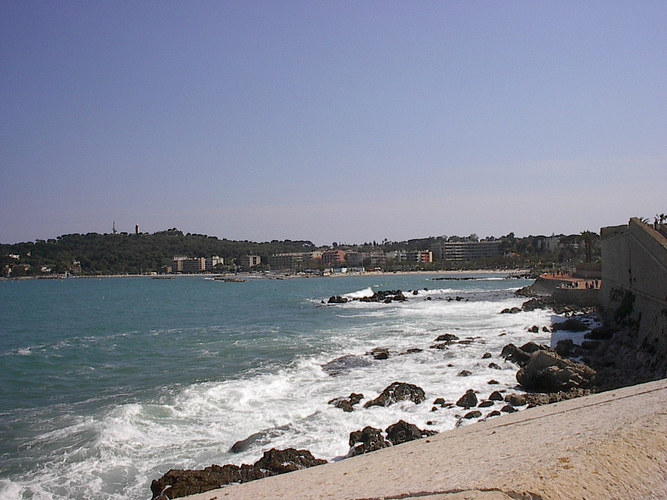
398	391
179	483
366	440
402	432
347	404
546	371
344	364
386	296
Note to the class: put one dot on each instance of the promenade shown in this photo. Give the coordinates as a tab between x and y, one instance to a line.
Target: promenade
611	445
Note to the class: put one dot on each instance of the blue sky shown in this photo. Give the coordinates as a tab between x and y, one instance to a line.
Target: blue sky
331	121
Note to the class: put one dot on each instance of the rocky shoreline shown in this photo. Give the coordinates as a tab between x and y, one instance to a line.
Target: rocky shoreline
545	375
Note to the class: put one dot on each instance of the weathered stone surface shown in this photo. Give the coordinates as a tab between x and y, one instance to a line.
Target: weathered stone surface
337	299
366	440
468	400
282	461
398	391
347	404
485	404
548	372
473	414
512	353
402	432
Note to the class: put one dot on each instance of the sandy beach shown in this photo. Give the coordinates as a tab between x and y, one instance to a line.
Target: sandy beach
607	445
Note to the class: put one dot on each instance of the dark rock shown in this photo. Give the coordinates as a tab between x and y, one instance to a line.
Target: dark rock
531	347
347	404
413	350
337	299
282	461
398	391
366	440
508	409
534	329
545	329
402	432
564	347
532	304
345	364
486	355
244	444
493	382
494	413
447	337
473	414
495	366
485	404
516	399
442	345
189	482
440	401
468	400
512	353
600	333
513	310
464	373
549	372
380	353
570	325
590	345
496	396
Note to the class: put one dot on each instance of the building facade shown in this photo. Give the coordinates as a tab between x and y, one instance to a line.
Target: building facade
466	250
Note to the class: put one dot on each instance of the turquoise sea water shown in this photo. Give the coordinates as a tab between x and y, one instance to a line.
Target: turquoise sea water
108	383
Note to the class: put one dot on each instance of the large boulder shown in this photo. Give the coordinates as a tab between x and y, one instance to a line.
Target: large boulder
398	391
548	372
402	432
366	440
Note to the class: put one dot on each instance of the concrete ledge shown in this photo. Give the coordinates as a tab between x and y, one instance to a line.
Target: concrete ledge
608	445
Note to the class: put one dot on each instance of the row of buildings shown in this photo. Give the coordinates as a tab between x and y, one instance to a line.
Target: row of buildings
300	261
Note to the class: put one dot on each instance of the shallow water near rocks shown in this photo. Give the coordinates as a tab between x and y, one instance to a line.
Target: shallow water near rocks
109	383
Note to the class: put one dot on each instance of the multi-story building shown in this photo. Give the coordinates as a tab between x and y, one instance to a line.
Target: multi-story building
247	262
333	257
466	250
187	265
419	256
289	261
212	262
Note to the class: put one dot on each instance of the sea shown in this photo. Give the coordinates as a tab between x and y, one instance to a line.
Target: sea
106	384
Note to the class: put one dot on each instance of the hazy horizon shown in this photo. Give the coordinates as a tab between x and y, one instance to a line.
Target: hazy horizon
345	122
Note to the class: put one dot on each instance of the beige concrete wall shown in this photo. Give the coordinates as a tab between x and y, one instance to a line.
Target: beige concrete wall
634	259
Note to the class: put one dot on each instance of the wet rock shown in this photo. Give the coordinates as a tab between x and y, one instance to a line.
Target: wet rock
486	355
464	373
182	483
493	382
337	299
473	414
398	391
282	461
402	432
366	440
600	333
468	400
531	347
508	409
347	404
512	310
447	337
442	345
494	413
379	353
413	350
534	329
345	364
495	366
496	396
485	404
440	401
549	372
